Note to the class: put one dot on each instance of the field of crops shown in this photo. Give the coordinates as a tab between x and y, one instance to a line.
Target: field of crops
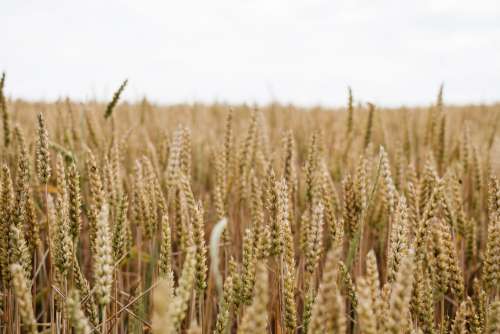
132	218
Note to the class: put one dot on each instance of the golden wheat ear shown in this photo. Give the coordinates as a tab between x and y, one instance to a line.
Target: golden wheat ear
163	312
255	317
42	161
79	322
23	296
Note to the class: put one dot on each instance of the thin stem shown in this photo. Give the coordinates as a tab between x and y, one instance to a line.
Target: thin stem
102	311
49	257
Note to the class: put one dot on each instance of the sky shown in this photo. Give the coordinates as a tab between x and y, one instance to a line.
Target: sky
307	52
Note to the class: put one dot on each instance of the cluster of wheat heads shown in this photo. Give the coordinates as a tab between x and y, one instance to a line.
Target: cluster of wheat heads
206	219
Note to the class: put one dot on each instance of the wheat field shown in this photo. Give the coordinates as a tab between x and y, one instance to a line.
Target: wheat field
141	218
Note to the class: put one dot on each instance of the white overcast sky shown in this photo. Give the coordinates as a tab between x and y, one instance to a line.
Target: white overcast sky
303	51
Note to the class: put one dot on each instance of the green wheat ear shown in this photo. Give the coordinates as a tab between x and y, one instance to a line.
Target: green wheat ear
116	96
4	113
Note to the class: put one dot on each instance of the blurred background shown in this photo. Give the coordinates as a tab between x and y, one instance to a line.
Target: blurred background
304	52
